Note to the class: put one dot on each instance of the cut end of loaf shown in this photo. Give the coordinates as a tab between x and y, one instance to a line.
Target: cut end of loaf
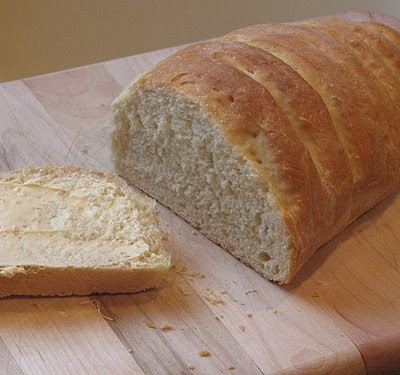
65	231
167	146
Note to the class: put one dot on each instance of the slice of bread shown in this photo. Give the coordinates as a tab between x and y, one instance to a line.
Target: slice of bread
65	231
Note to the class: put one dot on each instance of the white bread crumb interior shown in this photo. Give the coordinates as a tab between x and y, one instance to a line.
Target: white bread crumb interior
175	140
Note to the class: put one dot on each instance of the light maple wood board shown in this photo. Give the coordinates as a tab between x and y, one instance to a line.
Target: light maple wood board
340	315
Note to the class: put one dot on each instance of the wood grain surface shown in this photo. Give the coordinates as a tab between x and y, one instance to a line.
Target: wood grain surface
341	314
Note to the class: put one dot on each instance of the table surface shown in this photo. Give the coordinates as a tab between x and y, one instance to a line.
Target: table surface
340	315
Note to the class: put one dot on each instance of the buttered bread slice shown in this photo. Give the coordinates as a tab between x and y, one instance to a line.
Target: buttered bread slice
67	231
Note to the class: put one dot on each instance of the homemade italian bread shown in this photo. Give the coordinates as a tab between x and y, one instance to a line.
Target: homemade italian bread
271	139
69	231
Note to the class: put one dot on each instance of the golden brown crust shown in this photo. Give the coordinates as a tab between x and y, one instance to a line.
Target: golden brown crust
52	281
384	30
385	40
371	60
365	133
301	105
375	39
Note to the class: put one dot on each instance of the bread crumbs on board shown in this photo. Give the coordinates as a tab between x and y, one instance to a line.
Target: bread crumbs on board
150	324
166	327
196	275
179	267
185	290
251	291
97	305
204	353
230	368
213	297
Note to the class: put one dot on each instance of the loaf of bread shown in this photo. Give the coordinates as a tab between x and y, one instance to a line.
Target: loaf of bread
69	231
271	139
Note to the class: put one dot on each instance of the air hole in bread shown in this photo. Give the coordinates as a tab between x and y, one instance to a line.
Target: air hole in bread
253	134
264	256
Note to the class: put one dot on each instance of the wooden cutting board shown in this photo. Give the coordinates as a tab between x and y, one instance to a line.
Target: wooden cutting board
340	315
